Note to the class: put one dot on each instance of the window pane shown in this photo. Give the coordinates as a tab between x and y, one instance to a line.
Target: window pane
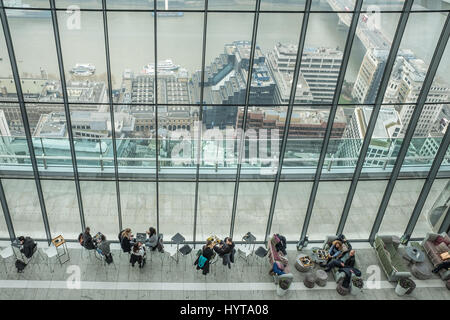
434	209
100	207
23	204
253	207
364	208
138	204
3	229
29	38
214	209
327	211
62	208
176	209
229	5
7	85
290	210
401	206
228	36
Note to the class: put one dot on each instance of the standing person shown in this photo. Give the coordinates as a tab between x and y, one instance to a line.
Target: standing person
138	255
125	243
28	245
203	260
88	243
225	250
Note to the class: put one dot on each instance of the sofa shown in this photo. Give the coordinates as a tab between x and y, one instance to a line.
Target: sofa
391	261
274	255
335	271
433	251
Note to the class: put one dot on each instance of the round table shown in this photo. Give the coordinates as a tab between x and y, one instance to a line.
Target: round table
315	257
300	266
421	271
321	278
414	255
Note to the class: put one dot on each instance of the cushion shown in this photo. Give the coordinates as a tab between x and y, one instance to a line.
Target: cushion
441	248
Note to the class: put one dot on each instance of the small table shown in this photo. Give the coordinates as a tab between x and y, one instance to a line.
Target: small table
414	255
319	255
60	242
301	263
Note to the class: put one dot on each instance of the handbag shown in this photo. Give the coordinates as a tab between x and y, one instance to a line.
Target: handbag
109	258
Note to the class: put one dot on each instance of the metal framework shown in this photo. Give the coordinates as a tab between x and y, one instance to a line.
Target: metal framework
357	11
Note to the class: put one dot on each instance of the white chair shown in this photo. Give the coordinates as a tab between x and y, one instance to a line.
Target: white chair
6	254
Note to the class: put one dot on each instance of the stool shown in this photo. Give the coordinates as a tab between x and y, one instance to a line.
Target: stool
310	280
321	278
342	290
6	254
421	271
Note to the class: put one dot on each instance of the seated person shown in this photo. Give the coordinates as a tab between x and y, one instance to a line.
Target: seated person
348	275
281	243
335	250
27	246
104	246
277	268
345	243
125	243
88	243
138	254
154	241
344	261
442	265
203	260
223	248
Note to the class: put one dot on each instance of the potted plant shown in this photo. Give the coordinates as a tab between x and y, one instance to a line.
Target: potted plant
357	286
405	286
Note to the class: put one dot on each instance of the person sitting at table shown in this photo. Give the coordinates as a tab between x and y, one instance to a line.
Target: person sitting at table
125	243
203	260
346	246
154	241
225	250
28	245
348	275
88	243
344	261
138	255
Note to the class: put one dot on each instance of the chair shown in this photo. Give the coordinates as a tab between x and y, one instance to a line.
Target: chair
185	251
261	252
171	251
246	250
6	254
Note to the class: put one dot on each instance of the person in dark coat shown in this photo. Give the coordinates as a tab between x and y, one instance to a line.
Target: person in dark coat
225	250
27	246
88	243
125	243
208	253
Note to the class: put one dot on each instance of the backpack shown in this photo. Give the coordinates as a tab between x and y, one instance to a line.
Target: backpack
20	265
80	239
